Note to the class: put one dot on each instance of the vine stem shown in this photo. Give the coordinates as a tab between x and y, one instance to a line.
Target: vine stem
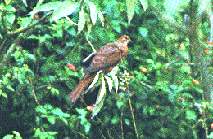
133	118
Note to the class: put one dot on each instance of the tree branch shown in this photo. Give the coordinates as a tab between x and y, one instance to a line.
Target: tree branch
18	31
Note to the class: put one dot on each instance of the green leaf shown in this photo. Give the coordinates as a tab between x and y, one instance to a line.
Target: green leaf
116	25
150	61
93	12
7	2
82	112
127	122
144	4
185	69
87	127
100	98
10	17
115	120
210	136
51	119
83	120
60	113
130	9
44	135
25	22
143	31
191	115
119	104
81	21
3	94
10	9
66	8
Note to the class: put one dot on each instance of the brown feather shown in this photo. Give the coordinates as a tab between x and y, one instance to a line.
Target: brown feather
83	84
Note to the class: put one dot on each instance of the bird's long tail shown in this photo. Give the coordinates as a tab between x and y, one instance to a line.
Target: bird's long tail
83	84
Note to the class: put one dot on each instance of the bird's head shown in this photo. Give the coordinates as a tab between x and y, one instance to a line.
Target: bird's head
124	39
123	44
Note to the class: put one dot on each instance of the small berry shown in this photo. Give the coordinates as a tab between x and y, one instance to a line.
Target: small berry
90	108
206	51
71	67
195	82
144	70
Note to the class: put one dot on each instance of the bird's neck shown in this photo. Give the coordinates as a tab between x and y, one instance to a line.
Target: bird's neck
120	44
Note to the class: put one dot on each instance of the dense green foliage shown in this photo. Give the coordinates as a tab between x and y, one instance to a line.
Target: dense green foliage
161	90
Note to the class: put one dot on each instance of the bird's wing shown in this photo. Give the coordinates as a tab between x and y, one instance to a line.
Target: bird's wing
107	56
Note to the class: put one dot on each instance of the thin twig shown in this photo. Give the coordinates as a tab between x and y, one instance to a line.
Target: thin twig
2	44
89	42
34	94
82	135
133	118
109	135
18	31
3	21
41	87
148	86
102	134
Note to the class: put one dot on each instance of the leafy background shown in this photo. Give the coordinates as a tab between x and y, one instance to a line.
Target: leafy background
163	89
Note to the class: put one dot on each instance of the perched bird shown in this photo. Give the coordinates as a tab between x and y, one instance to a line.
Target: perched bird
104	59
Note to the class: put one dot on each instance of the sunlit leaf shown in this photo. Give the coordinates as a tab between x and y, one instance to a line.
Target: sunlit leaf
3	94
210	136
95	80
40	2
81	21
115	78
127	122
24	22
144	3
101	17
100	98
46	7
93	12
204	6
15	135
25	2
130	9
67	8
109	82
